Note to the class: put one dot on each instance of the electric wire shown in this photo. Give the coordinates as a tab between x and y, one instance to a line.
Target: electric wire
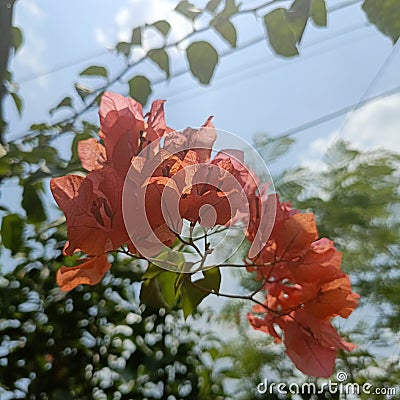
261	67
338	113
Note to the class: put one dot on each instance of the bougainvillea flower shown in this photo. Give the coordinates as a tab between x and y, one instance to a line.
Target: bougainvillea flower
150	185
122	128
219	191
305	289
93	204
92	154
200	141
263	208
89	271
156	126
92	209
233	161
153	187
193	207
312	344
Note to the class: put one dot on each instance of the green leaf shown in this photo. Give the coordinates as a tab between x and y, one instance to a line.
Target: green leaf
12	228
188	10
168	259
32	204
140	89
61	394
166	282
82	90
65	102
228	31
318	12
151	272
229	10
124	48
212	5
385	14
17	38
203	59
40	127
17	102
136	38
285	28
280	35
192	293
297	17
162	26
211	280
214	353
42	152
95	70
161	58
150	294
190	297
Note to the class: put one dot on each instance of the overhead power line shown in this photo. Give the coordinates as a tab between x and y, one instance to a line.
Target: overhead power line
243	72
338	113
376	78
62	67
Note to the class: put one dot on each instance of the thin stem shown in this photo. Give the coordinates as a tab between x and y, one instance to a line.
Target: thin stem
234	296
208	234
244	265
206	244
190	243
127	253
265	280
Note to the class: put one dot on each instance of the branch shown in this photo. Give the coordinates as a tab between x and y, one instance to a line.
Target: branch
235	296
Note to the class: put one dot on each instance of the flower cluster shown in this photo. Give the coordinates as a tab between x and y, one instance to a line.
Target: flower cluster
146	180
92	204
305	289
136	180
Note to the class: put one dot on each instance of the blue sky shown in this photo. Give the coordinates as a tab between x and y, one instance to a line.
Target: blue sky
252	91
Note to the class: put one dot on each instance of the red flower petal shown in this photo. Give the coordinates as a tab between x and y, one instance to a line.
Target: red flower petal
90	272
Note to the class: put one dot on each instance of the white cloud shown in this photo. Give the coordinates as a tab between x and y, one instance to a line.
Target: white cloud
375	125
136	13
